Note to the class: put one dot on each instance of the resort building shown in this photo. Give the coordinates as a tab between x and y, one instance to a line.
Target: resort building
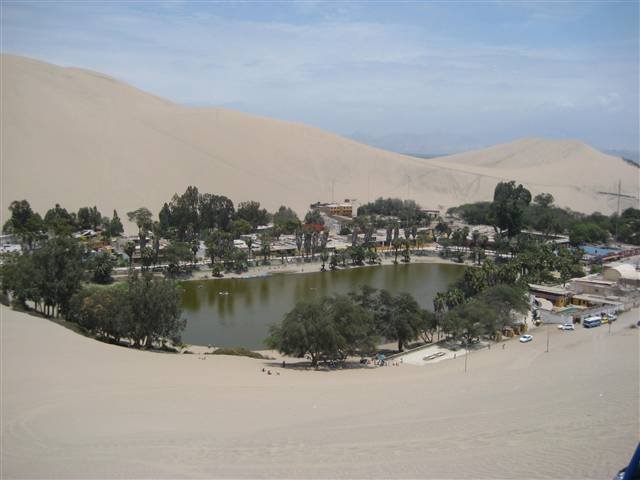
344	209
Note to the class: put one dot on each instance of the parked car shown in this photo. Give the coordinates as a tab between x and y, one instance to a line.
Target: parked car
566	326
526	338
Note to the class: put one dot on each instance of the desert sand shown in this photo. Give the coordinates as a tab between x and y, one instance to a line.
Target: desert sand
76	408
80	138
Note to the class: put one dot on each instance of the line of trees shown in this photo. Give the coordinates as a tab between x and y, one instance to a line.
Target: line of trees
31	228
333	328
144	310
513	209
51	280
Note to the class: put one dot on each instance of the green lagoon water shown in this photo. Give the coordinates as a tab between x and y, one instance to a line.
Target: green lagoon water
242	317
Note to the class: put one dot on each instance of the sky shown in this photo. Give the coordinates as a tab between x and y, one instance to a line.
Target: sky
421	77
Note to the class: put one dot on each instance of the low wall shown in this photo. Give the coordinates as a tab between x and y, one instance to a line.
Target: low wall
559	318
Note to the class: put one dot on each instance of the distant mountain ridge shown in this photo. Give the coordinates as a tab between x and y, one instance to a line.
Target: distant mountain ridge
79	138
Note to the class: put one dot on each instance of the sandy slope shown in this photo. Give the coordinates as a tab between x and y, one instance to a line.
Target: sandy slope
78	137
75	408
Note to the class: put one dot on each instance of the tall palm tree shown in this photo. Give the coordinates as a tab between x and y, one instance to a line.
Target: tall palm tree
130	249
249	242
324	256
454	298
397	243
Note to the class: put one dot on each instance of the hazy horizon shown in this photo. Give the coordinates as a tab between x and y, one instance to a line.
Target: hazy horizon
421	78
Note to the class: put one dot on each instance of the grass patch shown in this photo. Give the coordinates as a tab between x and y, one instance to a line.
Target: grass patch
238	352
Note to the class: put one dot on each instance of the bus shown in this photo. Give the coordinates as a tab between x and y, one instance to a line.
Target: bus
591	322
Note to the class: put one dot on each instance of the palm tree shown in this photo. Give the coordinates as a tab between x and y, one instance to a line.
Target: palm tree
324	256
439	305
299	239
397	243
130	249
406	255
454	298
249	242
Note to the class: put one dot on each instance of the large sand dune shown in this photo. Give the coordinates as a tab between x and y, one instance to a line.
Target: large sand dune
82	138
76	408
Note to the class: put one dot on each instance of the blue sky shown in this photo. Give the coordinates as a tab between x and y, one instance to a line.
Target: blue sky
422	77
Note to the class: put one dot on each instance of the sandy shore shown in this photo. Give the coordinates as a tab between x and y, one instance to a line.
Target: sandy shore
311	267
76	408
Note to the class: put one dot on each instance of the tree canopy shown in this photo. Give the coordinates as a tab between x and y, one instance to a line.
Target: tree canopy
330	328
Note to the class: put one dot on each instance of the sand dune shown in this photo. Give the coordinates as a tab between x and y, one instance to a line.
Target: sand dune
76	408
82	138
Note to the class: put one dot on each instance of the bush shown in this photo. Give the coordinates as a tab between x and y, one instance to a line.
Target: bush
238	352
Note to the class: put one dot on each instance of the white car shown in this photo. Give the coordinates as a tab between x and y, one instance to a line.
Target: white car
526	338
566	326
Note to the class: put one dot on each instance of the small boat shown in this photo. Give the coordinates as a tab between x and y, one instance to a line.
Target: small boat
223	293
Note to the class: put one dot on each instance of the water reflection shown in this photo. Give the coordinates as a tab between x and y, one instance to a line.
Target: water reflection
238	312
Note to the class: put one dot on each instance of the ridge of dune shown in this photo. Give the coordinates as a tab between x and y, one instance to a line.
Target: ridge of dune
78	137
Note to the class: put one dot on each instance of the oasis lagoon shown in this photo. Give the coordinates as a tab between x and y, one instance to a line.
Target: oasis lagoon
238	312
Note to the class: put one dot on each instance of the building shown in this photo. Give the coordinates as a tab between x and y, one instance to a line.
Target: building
622	273
344	209
557	295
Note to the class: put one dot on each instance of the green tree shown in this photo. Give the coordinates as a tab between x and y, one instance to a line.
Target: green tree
216	212
286	219
253	214
397	318
89	217
59	221
60	267
470	320
324	256
240	227
509	204
147	256
506	301
587	233
174	253
397	244
406	254
323	329
25	223
629	226
454	297
101	266
143	218
115	226
313	217
265	247
130	249
427	326
103	311
155	310
21	279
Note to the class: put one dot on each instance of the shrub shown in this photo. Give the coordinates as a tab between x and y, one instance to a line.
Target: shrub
238	352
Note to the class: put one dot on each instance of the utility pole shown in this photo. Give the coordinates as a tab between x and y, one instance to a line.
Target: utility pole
547	351
466	358
619	196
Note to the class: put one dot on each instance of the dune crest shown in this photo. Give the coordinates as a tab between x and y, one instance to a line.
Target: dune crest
78	138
